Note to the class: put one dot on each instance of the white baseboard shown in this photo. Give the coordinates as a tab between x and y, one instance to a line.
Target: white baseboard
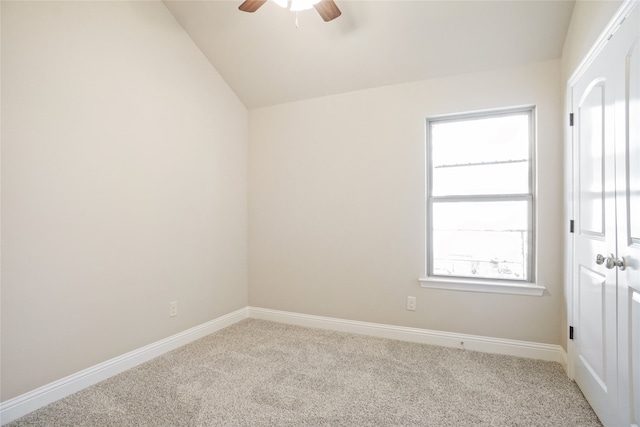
564	361
531	350
17	407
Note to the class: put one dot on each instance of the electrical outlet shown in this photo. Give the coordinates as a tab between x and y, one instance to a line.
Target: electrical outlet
411	303
173	308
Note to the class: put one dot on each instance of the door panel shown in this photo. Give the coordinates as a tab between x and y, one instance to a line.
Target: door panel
591	127
633	146
592	326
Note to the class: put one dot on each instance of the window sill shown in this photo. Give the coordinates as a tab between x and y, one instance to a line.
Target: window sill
470	285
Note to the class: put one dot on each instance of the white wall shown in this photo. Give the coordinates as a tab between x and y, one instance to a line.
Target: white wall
124	161
336	206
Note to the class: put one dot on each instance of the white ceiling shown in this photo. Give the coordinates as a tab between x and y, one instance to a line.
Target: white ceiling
267	60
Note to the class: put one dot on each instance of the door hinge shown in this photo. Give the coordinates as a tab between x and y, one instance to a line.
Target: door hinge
570	226
570	119
570	332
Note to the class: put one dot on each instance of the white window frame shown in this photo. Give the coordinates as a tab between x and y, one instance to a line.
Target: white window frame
492	285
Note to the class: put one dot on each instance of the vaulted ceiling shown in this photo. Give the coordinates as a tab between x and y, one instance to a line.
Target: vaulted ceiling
267	59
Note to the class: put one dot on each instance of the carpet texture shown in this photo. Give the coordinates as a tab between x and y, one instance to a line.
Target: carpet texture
259	373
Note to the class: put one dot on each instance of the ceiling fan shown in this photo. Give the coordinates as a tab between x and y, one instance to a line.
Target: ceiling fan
327	9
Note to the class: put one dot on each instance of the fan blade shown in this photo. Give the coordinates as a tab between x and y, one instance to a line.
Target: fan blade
327	10
251	5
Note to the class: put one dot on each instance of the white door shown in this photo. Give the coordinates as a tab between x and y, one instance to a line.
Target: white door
628	220
607	232
595	294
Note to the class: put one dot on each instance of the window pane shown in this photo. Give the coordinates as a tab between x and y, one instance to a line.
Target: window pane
481	239
481	140
500	178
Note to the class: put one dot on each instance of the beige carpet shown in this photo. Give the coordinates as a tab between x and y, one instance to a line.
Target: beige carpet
258	373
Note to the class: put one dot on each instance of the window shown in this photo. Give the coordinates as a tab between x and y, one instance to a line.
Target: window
480	200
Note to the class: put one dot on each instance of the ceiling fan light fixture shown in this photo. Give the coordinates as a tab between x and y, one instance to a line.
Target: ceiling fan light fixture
296	5
327	9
